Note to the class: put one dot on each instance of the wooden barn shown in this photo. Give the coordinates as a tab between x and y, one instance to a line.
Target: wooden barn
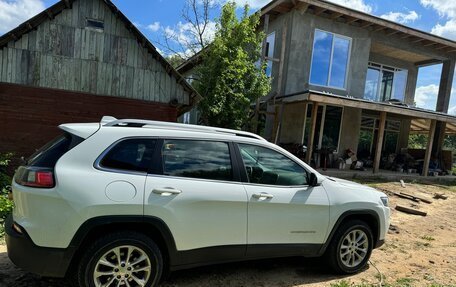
75	62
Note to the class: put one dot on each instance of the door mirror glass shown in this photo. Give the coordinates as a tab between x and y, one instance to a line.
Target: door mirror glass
313	180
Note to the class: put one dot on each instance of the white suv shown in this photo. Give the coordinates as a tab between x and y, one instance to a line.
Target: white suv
120	202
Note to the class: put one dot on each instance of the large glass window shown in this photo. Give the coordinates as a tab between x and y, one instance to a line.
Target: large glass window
266	166
330	59
130	155
385	83
197	159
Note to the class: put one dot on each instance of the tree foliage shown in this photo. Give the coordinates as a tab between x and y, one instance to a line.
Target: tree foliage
6	205
230	78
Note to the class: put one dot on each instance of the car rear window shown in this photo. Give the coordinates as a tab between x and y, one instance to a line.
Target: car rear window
49	154
130	155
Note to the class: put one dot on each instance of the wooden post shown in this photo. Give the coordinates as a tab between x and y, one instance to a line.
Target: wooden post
427	157
279	125
313	123
263	59
282	59
378	150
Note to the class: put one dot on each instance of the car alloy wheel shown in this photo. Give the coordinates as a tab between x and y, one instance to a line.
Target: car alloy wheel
123	266
354	248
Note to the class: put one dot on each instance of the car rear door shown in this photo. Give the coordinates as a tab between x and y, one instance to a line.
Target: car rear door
196	191
285	215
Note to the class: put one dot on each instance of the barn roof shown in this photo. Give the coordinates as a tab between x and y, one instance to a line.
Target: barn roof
142	40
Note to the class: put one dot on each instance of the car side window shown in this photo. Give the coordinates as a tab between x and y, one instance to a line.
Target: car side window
130	155
267	166
197	159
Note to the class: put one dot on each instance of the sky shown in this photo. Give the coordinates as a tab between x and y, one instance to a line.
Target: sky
156	18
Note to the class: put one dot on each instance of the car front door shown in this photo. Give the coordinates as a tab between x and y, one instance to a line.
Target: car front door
285	214
199	196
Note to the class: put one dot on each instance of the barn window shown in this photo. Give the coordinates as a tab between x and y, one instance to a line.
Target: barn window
95	24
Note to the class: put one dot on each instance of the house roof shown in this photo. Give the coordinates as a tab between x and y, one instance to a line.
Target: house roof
360	19
348	16
57	8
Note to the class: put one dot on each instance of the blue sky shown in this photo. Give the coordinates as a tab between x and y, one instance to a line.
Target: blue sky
156	17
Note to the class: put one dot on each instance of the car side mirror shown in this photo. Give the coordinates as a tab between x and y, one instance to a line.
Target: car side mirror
313	180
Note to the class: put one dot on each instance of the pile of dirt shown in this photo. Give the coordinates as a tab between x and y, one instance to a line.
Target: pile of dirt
419	251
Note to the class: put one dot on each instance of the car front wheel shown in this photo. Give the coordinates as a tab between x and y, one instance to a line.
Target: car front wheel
121	259
351	247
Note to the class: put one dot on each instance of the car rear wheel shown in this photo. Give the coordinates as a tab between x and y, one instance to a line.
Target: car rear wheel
121	259
351	247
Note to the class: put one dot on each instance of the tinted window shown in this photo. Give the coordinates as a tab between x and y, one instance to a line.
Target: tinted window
130	154
49	154
197	159
266	166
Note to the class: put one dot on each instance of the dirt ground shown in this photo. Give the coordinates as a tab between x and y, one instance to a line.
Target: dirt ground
419	251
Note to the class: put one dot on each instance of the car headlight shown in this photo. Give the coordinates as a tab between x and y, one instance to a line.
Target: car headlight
385	200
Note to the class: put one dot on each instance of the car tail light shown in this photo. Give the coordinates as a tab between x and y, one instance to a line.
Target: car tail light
35	177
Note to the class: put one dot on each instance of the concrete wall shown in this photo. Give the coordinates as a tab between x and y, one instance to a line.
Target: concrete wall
300	54
351	123
293	123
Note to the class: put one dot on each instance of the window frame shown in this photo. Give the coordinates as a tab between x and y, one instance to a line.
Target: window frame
243	171
270	58
158	166
381	67
97	164
350	40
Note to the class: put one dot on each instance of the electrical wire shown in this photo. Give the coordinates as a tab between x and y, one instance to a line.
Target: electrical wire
380	283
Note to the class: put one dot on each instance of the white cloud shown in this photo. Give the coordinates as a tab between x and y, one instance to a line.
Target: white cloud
354	4
186	34
426	96
447	30
452	111
254	4
154	27
14	12
443	7
402	18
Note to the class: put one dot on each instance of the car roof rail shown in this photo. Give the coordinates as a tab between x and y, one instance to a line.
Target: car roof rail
113	122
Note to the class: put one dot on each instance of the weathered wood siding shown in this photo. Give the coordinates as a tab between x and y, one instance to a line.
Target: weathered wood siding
63	53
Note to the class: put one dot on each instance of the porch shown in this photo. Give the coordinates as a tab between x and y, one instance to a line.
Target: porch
329	124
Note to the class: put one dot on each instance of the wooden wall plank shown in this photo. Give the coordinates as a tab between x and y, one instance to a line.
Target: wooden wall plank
63	53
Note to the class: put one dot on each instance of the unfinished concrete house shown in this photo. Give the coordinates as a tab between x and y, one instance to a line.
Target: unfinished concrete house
343	79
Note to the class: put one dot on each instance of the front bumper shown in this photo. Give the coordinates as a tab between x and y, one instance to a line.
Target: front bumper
44	261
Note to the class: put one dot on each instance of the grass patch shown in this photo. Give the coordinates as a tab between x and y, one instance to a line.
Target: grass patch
401	282
428	238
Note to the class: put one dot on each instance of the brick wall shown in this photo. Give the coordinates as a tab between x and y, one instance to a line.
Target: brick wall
29	116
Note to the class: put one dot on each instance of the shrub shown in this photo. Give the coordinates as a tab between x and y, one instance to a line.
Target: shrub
6	205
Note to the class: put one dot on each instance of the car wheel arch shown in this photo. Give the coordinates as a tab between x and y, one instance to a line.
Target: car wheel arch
370	217
153	227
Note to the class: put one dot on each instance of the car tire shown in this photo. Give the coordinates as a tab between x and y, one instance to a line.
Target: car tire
118	257
351	247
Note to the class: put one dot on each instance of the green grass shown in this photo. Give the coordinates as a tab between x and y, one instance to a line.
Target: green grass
428	238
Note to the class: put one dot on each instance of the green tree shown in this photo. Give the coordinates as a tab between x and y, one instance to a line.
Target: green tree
229	78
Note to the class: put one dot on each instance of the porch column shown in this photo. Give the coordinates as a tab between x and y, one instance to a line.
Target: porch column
313	123
443	102
378	149
427	157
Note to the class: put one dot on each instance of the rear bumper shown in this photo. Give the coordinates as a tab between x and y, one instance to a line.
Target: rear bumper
44	261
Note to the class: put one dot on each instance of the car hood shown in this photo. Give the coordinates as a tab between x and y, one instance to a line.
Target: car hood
346	184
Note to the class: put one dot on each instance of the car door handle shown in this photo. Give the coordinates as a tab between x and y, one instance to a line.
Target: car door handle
262	195
166	191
